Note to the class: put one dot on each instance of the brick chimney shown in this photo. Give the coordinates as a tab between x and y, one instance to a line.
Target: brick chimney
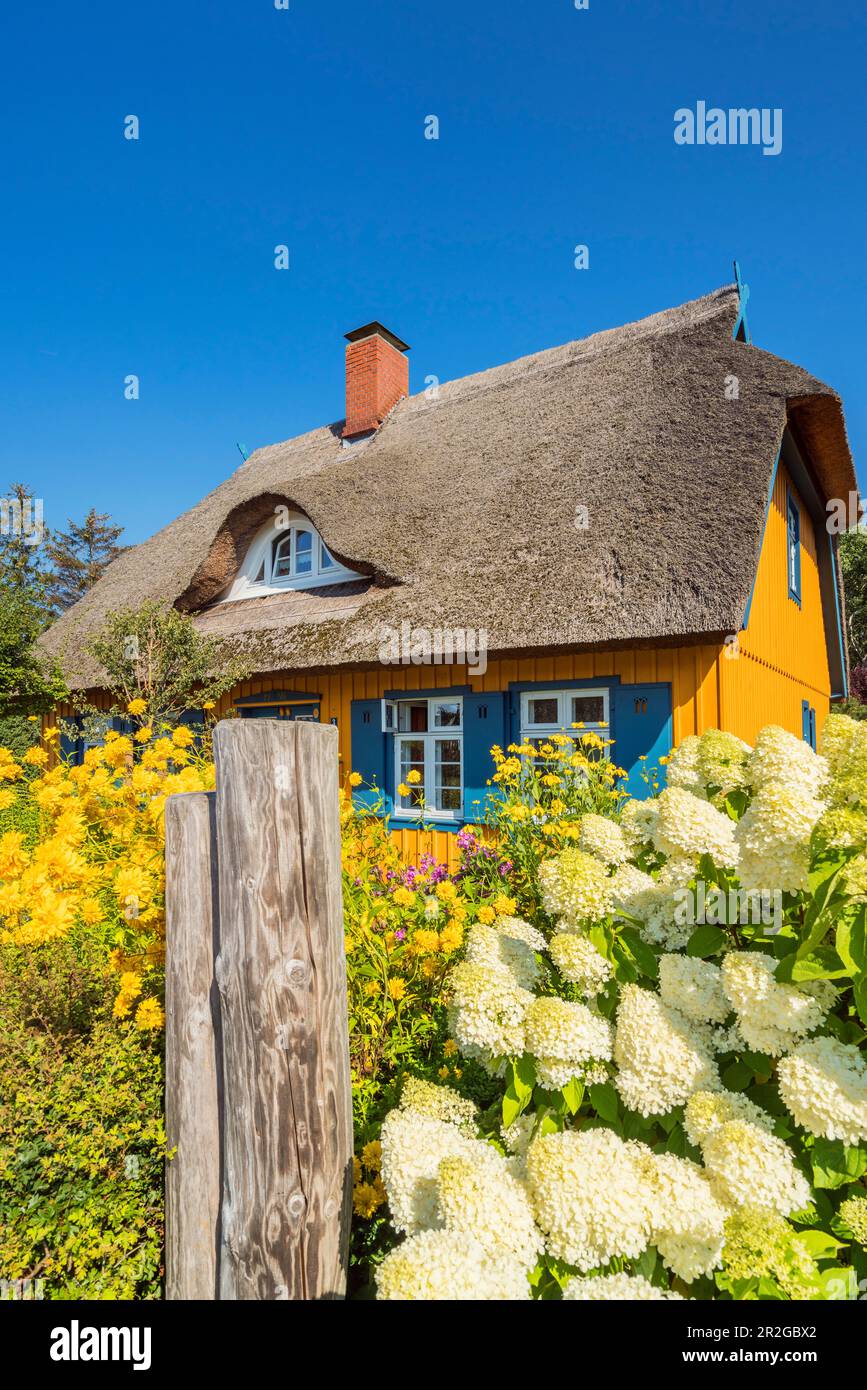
377	377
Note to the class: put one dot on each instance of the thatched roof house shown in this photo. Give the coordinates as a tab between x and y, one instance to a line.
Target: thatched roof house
614	495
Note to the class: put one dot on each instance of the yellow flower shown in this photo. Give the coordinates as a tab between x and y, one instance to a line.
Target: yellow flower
396	988
426	941
450	1047
443	1073
446	891
209	704
451	937
486	915
149	1015
183	737
413	776
371	1156
372	987
144	734
356	1170
403	789
7	796
137	706
37	757
355	779
404	897
505	907
367	1197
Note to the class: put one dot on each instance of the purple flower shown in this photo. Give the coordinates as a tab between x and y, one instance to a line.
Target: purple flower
400	934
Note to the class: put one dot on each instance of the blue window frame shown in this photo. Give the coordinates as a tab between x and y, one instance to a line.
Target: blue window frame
808	724
793	547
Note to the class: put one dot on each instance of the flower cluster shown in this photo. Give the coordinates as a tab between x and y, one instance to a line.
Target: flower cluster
680	1099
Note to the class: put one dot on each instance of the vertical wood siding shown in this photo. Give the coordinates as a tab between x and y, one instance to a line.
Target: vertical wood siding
782	655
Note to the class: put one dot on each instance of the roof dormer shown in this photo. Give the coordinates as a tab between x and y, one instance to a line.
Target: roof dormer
287	552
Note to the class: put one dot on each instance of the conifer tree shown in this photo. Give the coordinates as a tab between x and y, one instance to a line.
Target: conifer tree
80	556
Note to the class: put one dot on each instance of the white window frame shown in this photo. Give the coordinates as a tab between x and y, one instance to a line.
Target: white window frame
564	723
261	555
453	733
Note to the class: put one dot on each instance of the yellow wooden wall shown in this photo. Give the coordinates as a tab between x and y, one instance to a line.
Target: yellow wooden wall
691	671
782	656
778	661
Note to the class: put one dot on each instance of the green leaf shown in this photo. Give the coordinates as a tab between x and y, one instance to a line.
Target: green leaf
706	941
573	1094
820	1245
603	1098
520	1076
737	1077
641	953
821	964
835	1163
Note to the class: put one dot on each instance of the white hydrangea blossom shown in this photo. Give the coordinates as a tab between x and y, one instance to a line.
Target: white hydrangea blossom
686	825
694	987
567	1040
586	1196
653	902
823	1084
518	1134
604	839
504	945
687	1219
438	1102
579	962
660	1057
412	1147
575	888
748	1166
633	1288
488	1201
487	1010
772	1015
436	1266
705	1111
781	757
773	837
637	819
683	769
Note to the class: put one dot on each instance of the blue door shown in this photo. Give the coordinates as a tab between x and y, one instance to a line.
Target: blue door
642	731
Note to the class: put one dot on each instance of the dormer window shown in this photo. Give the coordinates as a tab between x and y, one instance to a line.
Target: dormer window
287	553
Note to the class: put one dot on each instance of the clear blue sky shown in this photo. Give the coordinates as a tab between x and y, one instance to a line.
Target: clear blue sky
305	127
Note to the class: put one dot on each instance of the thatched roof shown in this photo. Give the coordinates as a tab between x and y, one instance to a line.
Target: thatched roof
462	508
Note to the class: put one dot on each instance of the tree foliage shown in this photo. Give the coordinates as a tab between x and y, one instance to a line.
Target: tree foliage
80	556
154	653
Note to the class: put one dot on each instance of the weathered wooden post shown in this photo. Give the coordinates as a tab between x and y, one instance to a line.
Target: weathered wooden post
281	972
193	1062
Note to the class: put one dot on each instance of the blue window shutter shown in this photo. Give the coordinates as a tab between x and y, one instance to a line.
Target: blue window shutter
368	752
808	724
640	725
70	748
484	725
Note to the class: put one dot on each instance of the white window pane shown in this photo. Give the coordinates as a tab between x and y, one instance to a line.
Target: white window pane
447	714
412	716
588	709
411	760
282	558
544	710
303	552
447	775
326	560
